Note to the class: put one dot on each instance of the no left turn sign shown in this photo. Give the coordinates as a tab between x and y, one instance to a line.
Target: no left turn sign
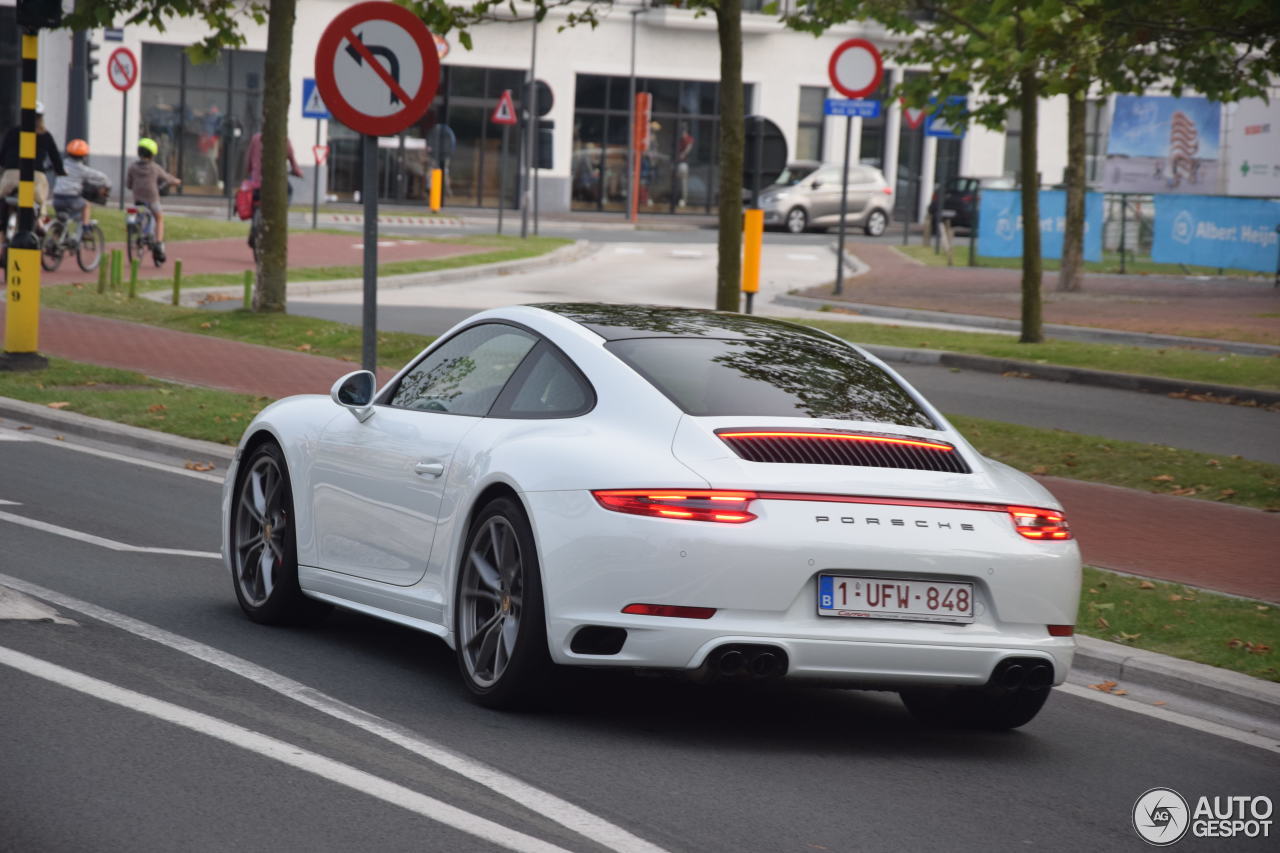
122	69
377	68
856	68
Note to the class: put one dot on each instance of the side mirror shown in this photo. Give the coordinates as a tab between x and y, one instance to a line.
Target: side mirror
354	392
815	185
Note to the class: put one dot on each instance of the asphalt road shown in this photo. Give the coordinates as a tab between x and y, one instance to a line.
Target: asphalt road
199	730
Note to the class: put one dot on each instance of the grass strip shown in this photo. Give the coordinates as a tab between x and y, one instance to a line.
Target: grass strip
1134	465
1234	633
175	227
1219	368
1109	264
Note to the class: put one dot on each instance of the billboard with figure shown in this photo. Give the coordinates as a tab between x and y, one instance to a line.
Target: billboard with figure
1000	224
1163	145
1231	233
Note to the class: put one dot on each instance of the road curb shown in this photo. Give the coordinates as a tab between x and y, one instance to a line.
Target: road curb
1088	334
1183	678
575	251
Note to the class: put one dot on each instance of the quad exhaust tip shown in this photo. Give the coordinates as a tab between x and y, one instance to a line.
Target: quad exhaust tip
1030	674
747	662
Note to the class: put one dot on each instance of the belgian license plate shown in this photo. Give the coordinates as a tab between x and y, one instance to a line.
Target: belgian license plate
894	598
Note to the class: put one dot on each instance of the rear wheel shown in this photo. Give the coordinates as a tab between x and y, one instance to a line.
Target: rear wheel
974	707
136	244
877	222
499	622
255	234
797	220
89	253
264	549
51	246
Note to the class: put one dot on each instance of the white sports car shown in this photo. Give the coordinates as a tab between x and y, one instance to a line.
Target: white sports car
661	489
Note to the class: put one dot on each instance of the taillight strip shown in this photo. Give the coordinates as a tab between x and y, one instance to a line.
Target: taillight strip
863	499
840	436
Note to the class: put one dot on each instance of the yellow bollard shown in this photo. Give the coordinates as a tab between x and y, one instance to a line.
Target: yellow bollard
437	189
752	239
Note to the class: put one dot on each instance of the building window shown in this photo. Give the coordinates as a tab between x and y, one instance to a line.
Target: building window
1095	138
809	132
871	145
1012	141
201	116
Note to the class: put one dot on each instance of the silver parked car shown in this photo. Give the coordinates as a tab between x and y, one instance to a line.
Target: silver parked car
807	195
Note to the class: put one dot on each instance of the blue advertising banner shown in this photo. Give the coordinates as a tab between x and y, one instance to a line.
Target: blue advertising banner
1000	224
1216	231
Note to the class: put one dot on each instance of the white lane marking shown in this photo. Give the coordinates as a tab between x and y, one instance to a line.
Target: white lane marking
6	435
791	256
285	753
686	253
90	539
15	605
548	805
10	503
1168	716
627	250
120	457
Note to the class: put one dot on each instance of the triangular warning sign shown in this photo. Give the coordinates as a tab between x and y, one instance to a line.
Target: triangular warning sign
913	116
314	103
505	112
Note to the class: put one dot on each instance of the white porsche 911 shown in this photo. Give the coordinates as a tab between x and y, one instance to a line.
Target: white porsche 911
661	489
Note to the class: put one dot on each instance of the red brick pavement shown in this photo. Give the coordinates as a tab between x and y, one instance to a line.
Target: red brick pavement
1219	308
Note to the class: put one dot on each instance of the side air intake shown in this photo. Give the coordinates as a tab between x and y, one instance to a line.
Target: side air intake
834	447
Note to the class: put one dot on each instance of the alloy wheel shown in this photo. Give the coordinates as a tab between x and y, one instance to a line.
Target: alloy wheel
261	524
491	601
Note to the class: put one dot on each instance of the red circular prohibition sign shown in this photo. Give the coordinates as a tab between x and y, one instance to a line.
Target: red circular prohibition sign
342	28
854	44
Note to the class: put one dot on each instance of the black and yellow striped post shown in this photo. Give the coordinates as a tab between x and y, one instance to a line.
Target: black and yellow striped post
22	296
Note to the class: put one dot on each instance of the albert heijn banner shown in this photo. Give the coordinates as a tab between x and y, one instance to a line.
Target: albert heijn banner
1217	231
1000	224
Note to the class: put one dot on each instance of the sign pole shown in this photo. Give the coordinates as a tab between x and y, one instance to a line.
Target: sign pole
315	185
502	177
369	186
124	139
122	73
844	206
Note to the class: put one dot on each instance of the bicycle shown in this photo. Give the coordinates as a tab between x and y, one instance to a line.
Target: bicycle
140	225
62	237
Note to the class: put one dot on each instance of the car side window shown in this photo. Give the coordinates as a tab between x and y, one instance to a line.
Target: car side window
465	374
827	176
546	386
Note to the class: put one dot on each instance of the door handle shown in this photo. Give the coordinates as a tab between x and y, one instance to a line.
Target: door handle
429	469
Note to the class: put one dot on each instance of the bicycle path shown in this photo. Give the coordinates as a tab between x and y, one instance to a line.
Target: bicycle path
1208	545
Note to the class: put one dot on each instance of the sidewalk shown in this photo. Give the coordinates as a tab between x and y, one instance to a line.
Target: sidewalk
1229	549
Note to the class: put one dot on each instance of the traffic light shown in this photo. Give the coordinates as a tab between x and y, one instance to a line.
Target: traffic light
39	14
546	136
91	64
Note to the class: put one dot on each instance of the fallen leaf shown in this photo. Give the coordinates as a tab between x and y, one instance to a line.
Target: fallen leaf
1119	692
1104	686
206	325
1103	623
1175	597
1107	605
1227	493
1214	463
1163	478
1040	469
303	348
1160	703
1093	591
58	438
25	427
1182	493
57	405
157	407
1146	585
1125	637
1262	607
199	466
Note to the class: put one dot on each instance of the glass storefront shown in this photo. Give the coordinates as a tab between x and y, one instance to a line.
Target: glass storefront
201	116
10	71
455	136
679	171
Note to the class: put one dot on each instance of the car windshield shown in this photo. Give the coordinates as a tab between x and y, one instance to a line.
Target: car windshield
783	376
793	175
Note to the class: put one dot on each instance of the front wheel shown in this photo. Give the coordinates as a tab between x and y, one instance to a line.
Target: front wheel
797	220
136	244
89	254
974	707
264	549
51	247
499	622
877	222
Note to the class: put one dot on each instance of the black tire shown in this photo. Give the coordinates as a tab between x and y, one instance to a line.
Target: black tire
89	252
255	234
263	546
797	221
877	223
51	246
499	617
974	707
134	244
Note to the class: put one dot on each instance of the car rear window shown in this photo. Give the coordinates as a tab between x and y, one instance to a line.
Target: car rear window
782	376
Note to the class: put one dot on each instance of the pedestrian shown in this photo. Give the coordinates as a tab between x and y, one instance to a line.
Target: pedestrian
46	153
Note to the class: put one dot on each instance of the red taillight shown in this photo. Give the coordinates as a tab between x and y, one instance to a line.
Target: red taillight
674	610
887	190
1040	523
132	210
1062	630
728	507
966	198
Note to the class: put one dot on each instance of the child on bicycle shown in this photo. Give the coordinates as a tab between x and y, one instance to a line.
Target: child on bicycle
72	190
144	178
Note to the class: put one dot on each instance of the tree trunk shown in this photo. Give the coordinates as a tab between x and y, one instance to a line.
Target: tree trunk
732	119
273	254
1073	237
1031	264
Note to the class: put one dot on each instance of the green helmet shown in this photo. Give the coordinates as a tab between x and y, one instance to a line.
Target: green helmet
149	145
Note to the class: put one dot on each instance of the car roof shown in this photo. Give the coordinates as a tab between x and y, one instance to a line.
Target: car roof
620	322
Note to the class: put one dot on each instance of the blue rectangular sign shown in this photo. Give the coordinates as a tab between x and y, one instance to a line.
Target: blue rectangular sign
934	125
851	108
1216	231
312	105
1000	224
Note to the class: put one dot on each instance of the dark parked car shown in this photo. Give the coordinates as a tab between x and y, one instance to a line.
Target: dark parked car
961	195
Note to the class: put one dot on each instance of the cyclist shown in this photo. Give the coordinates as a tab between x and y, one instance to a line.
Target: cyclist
69	191
253	170
46	152
144	178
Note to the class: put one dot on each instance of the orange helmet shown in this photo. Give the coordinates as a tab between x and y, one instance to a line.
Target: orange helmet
78	148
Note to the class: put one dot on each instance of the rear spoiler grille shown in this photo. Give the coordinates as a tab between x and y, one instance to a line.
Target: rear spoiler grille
837	447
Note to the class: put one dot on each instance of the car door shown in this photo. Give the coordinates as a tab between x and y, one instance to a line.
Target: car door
824	194
862	182
378	485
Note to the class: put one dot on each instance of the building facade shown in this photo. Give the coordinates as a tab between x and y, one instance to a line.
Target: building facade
203	115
